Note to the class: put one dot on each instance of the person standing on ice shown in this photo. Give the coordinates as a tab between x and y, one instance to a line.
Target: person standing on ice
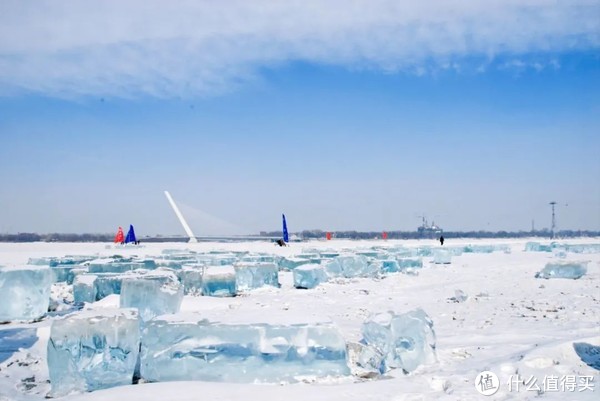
442	240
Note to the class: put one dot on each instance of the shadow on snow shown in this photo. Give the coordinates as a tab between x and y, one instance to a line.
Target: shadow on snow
11	340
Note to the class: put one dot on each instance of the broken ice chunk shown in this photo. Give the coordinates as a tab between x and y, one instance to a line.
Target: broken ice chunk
365	360
407	340
459	296
572	270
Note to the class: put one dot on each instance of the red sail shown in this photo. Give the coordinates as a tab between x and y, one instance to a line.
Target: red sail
384	235
328	235
120	237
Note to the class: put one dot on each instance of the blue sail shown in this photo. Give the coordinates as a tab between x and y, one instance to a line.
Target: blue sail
130	235
285	232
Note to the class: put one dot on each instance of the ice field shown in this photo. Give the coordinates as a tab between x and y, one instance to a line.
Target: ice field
318	320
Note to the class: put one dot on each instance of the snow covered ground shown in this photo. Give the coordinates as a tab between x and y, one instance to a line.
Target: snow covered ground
511	323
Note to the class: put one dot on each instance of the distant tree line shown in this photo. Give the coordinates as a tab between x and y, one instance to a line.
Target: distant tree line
308	234
56	237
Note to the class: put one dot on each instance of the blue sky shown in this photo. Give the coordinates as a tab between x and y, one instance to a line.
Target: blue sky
364	121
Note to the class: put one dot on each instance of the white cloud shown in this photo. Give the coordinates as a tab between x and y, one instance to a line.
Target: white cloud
190	48
519	66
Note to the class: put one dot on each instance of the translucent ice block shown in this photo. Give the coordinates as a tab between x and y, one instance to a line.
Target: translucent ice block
188	347
291	263
223	259
459	296
390	266
351	266
191	278
61	273
369	253
176	252
478	249
583	248
174	264
455	250
309	255
403	252
442	256
148	263
60	261
309	276
410	263
151	296
328	254
560	254
259	258
113	266
84	289
365	360
24	292
407	340
40	261
537	247
572	270
92	350
66	272
219	281
107	284
76	271
255	275
503	248
424	251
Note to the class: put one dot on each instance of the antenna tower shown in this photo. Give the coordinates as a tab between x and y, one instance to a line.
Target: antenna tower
553	227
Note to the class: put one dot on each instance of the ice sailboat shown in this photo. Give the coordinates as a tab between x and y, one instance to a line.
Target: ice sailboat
286	237
130	238
120	237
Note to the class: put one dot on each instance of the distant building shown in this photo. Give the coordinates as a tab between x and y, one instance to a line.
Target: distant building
429	231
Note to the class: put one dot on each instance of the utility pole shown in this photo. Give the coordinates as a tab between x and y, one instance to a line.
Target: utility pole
553	227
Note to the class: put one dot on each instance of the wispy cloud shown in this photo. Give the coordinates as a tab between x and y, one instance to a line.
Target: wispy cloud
537	64
190	48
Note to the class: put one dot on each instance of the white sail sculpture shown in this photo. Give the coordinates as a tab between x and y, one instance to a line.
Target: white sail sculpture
185	225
